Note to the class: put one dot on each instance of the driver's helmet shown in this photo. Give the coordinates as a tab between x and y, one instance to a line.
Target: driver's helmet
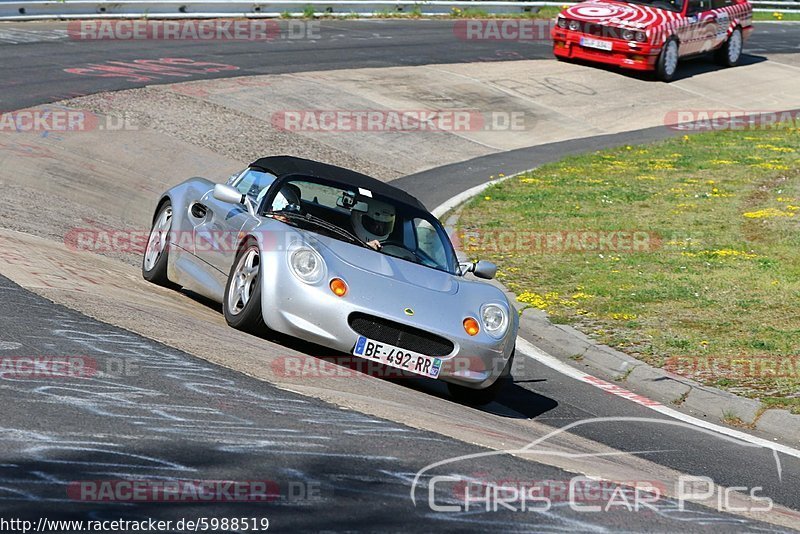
288	197
376	223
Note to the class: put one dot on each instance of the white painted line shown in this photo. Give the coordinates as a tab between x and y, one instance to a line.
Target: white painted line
535	353
460	198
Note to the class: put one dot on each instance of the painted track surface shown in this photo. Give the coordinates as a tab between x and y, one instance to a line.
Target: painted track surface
153	413
33	67
540	393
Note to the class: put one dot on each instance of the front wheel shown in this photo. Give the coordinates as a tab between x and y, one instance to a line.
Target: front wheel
480	397
154	262
667	64
242	302
729	54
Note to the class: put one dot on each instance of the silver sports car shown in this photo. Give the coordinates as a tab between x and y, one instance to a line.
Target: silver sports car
340	259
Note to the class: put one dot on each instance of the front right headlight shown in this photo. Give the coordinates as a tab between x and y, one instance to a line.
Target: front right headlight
562	23
307	265
494	319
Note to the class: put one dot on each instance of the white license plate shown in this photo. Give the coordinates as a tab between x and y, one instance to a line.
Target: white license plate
596	43
392	356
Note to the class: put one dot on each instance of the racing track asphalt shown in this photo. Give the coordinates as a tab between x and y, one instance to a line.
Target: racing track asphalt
33	74
145	412
33	71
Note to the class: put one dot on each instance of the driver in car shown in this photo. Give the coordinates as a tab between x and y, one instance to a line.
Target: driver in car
375	224
288	198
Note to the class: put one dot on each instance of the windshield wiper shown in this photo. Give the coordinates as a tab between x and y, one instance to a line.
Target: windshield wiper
324	224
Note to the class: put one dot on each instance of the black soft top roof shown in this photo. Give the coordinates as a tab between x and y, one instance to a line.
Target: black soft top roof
282	165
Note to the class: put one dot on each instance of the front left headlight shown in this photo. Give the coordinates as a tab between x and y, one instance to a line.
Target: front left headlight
628	35
494	319
307	265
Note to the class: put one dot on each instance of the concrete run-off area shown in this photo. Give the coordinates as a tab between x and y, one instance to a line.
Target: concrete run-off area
109	179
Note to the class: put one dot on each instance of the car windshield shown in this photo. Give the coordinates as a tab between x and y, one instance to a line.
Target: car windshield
356	215
669	5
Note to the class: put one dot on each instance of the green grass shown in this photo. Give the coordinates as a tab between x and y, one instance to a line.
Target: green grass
784	17
715	284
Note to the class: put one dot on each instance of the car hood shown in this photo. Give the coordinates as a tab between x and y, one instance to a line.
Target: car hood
620	14
369	261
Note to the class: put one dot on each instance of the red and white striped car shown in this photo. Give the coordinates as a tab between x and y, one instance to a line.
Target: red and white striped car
652	35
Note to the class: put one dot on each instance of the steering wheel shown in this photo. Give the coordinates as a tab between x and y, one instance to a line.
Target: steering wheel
395	248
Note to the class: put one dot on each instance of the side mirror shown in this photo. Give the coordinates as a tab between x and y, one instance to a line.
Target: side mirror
482	269
226	193
485	269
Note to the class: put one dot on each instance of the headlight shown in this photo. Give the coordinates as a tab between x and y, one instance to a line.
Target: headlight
574	25
307	265
628	35
562	22
641	37
495	320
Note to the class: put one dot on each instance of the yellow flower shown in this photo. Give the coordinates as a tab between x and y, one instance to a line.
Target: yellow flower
487	198
767	214
536	300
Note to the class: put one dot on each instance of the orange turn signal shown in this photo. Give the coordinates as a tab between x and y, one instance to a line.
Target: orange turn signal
339	287
471	326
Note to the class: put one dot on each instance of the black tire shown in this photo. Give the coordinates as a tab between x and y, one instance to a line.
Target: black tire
247	317
665	66
481	397
157	271
730	53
